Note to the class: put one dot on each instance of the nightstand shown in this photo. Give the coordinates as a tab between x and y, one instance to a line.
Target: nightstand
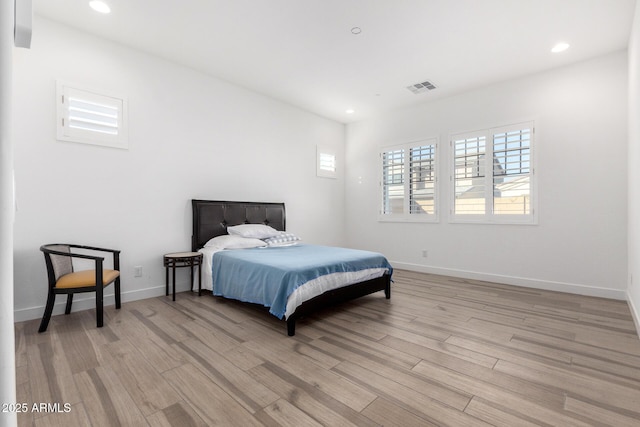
183	259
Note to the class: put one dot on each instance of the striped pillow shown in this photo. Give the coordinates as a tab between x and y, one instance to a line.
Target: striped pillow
282	239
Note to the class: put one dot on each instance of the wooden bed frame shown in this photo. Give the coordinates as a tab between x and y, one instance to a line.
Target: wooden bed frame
212	217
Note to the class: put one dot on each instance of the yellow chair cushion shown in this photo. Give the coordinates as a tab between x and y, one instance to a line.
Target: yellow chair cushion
86	278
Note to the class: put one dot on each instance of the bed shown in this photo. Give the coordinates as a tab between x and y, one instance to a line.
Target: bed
346	278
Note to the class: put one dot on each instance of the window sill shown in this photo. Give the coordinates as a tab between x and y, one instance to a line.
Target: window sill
494	221
432	219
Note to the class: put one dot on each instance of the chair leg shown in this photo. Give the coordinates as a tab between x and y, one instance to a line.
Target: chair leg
67	309
99	305
47	312
117	292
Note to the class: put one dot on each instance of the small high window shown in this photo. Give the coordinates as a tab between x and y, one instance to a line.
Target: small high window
90	117
325	162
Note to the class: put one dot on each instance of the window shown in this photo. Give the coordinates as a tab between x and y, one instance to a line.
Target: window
409	182
393	182
325	162
493	175
91	118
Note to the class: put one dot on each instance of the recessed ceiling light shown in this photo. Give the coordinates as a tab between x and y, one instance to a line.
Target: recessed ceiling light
350	111
99	6
560	47
356	30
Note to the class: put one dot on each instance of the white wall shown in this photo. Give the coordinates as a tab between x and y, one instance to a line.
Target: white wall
190	136
580	144
634	174
7	330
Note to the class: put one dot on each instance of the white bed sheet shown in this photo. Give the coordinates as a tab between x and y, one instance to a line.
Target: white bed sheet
304	292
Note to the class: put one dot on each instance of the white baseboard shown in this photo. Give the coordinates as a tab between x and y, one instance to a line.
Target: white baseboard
86	302
572	288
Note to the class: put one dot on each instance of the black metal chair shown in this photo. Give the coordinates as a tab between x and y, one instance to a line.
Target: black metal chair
63	280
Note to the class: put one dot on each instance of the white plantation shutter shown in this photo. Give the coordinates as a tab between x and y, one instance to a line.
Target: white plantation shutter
88	117
393	182
493	175
422	180
512	171
92	116
409	182
325	162
469	174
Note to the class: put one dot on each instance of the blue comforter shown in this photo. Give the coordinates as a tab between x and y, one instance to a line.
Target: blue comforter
268	276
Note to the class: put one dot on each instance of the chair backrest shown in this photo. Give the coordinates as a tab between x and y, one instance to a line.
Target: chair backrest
59	264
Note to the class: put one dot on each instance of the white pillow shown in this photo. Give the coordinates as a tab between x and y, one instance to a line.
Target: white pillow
233	242
256	231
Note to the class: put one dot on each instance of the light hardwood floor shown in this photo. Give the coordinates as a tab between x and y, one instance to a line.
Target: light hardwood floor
442	351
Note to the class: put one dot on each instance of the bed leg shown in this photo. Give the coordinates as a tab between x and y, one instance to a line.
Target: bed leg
291	327
387	289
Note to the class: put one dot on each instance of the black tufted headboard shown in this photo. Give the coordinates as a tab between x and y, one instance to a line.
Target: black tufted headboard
211	217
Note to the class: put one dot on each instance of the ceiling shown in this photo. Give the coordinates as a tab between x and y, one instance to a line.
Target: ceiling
303	52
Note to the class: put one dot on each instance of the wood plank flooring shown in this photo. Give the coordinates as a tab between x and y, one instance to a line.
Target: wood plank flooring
441	352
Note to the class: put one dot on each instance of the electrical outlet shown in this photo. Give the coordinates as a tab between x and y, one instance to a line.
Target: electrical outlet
425	253
137	271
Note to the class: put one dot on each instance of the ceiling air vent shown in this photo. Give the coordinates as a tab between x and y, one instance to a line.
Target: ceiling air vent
421	87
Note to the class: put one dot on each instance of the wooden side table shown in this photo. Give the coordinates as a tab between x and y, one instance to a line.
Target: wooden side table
183	259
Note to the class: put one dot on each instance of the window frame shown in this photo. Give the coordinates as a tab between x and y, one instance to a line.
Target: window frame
407	215
489	216
64	132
